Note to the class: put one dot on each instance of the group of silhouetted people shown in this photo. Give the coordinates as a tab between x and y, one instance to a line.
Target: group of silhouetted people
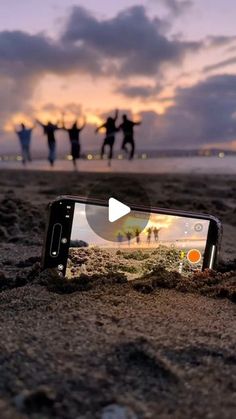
127	128
49	130
128	236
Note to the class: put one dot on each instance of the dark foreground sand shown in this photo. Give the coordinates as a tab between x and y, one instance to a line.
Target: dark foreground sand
160	347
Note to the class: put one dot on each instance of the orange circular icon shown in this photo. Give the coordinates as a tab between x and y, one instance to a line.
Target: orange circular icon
194	256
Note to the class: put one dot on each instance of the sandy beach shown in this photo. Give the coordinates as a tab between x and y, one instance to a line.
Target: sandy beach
160	347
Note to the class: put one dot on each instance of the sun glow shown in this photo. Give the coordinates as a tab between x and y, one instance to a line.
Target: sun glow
16	120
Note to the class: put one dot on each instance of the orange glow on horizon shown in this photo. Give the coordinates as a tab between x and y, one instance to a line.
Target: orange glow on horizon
54	117
229	145
80	98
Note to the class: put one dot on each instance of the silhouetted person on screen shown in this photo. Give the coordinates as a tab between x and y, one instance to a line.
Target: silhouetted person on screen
111	130
128	237
74	136
49	131
24	135
149	235
127	127
120	238
156	233
137	235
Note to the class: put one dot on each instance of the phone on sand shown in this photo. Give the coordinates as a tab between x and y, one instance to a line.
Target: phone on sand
80	239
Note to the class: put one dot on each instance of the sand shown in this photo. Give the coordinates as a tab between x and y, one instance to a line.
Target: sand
160	347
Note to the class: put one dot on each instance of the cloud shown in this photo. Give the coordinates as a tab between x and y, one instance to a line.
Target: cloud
220	64
15	97
26	58
22	54
202	114
135	43
219	40
128	44
139	91
178	7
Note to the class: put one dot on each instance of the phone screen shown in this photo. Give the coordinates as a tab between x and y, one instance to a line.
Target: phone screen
174	242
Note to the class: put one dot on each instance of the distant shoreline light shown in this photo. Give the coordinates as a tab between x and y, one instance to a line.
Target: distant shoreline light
90	156
142	155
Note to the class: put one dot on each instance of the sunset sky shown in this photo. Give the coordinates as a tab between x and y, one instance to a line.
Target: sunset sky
173	230
170	63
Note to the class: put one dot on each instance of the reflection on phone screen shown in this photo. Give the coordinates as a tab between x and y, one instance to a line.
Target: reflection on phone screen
174	242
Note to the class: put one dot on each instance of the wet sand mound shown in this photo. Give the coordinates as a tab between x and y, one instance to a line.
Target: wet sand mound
208	283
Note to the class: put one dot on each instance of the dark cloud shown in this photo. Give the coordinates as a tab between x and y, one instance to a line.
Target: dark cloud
177	7
22	54
25	59
130	43
139	91
219	41
220	64
15	96
136	43
203	114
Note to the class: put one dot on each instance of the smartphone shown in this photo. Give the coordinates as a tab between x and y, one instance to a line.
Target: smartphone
80	239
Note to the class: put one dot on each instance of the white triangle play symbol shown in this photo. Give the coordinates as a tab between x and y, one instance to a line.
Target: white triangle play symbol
117	210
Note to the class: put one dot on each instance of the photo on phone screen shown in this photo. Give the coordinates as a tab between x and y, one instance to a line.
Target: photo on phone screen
176	242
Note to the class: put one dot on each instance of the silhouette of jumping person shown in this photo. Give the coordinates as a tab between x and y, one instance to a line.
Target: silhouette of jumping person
149	235
120	238
127	127
49	131
74	137
137	235
111	130
24	135
129	237
156	233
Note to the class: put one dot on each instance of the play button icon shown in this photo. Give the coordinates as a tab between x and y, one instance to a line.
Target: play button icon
117	210
114	218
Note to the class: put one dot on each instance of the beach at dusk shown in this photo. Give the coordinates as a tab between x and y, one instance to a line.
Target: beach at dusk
193	165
